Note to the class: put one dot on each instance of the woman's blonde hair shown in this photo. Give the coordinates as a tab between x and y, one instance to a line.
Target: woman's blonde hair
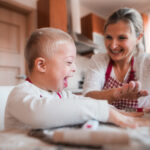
43	42
131	16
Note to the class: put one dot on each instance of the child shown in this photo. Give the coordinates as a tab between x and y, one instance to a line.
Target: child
41	102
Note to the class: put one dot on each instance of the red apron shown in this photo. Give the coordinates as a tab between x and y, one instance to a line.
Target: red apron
112	83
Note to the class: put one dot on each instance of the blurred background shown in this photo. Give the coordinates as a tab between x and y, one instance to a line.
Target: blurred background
82	19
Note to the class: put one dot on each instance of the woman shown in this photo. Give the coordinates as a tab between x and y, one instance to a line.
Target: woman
119	75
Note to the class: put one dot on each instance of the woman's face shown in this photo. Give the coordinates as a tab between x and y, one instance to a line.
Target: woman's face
120	41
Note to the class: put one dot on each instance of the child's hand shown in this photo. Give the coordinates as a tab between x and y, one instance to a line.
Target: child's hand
132	114
130	90
126	121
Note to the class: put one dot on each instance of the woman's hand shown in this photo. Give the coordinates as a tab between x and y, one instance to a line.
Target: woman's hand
146	110
126	121
131	90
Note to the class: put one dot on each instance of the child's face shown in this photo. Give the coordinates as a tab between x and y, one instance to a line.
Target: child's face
60	67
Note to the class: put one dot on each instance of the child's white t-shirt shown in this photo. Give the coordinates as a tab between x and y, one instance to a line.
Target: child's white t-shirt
31	107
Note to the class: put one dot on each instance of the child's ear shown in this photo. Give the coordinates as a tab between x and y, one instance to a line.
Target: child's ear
40	64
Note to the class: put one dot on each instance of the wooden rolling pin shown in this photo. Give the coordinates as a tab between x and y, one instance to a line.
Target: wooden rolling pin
90	137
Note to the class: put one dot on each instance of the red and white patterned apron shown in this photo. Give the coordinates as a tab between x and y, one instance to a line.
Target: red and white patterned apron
110	83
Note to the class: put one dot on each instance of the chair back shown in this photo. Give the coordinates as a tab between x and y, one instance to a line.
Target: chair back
4	92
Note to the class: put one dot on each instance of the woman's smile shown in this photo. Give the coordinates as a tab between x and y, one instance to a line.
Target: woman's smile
116	51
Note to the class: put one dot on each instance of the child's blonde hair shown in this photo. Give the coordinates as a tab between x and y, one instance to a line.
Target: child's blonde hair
42	43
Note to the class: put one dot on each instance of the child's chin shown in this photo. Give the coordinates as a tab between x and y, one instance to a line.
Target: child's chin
62	88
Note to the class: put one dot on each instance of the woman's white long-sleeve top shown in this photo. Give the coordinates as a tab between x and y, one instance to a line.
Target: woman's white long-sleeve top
95	77
31	107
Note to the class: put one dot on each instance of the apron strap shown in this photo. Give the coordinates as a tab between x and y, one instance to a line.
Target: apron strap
131	74
108	71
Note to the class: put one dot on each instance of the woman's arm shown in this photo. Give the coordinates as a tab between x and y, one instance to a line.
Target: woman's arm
131	91
101	95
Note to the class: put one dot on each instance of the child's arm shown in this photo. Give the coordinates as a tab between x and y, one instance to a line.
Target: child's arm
50	112
125	120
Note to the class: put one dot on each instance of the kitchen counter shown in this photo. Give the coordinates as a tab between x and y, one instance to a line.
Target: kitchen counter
20	140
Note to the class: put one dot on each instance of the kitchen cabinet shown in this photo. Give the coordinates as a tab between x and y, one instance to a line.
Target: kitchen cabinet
92	23
52	13
92	26
145	20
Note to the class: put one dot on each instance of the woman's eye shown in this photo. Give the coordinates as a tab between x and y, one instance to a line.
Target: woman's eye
69	62
122	37
108	37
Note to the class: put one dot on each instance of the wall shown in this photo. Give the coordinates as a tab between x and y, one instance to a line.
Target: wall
85	11
82	65
29	7
146	18
77	12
